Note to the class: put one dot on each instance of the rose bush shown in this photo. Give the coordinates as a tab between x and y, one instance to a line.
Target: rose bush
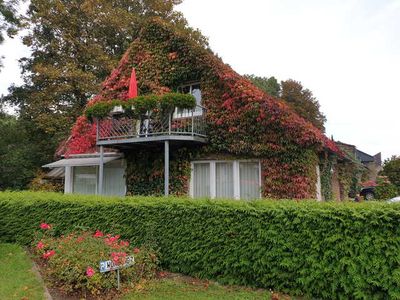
72	261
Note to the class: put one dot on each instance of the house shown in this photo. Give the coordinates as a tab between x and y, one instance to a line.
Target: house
371	163
235	142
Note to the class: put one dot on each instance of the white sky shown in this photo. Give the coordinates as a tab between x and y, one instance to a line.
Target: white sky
347	52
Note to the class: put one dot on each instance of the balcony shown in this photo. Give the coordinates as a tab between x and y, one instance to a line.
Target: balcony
156	126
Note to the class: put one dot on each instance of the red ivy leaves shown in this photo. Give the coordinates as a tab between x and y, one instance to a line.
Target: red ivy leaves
83	137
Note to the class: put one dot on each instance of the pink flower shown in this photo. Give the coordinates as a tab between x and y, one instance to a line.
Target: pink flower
124	243
40	245
136	250
89	272
45	226
118	257
48	254
111	240
98	233
115	259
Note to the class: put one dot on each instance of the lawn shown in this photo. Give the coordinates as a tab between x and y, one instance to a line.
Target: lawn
18	280
181	287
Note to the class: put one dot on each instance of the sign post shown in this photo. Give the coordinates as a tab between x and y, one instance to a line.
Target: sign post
109	265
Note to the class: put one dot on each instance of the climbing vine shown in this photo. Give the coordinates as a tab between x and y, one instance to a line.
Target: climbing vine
326	171
145	171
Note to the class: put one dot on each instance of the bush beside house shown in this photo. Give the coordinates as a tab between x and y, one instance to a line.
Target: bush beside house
323	250
71	261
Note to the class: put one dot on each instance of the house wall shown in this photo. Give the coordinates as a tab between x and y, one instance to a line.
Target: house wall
373	170
68	180
145	172
335	185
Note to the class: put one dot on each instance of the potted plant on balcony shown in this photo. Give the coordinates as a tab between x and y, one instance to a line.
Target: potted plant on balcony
117	110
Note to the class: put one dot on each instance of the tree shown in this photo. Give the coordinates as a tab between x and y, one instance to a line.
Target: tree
74	45
303	102
17	154
269	85
391	169
9	19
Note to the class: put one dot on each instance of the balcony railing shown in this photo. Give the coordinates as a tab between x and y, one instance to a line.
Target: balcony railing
153	124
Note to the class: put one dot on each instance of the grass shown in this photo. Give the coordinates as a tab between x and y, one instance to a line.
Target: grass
17	279
185	288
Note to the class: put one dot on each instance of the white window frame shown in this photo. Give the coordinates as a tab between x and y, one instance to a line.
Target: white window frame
236	176
186	113
69	178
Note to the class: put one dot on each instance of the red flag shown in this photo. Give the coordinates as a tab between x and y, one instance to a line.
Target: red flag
133	85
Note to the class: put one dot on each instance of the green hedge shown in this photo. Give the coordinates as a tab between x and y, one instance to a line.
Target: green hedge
322	250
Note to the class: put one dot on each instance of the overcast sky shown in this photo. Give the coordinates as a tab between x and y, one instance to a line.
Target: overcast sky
346	52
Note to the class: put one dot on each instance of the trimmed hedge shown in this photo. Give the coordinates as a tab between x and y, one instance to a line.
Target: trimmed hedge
324	250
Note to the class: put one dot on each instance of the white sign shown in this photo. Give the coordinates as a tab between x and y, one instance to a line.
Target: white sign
109	265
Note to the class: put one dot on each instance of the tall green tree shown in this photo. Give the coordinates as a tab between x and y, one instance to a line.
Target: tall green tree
300	99
391	169
303	102
74	45
269	85
9	20
18	155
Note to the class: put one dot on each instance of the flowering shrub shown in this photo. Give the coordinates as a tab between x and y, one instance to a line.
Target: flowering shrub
72	261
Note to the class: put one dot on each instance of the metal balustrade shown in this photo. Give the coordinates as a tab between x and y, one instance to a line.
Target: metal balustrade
153	124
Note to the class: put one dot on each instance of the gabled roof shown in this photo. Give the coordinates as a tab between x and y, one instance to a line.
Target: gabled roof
360	155
241	117
364	157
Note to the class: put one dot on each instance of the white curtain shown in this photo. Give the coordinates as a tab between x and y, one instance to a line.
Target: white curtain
201	180
249	180
224	179
114	181
85	180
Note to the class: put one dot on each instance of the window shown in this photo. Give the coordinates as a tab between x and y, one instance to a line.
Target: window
85	179
201	177
249	180
226	179
195	90
114	180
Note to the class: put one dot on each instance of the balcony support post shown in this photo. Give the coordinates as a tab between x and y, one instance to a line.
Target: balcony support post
101	171
192	122
169	123
166	168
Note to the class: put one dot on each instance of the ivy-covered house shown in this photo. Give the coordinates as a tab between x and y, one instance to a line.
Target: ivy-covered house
228	140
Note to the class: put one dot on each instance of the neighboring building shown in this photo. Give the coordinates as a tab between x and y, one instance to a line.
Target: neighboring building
372	163
238	142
